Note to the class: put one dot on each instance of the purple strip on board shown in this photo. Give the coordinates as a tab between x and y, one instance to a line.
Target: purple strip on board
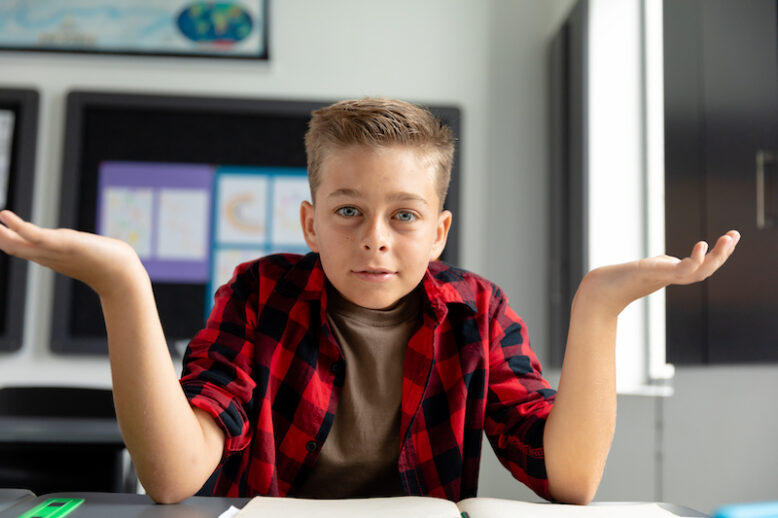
141	174
177	270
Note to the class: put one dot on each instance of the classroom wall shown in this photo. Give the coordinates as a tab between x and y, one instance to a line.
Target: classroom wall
712	442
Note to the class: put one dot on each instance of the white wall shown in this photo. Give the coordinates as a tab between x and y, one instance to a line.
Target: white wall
515	217
711	443
720	434
516	214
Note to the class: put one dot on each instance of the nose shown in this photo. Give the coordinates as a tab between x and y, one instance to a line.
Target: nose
375	236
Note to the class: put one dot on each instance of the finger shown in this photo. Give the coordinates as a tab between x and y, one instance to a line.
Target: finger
699	251
734	236
686	270
12	243
725	245
10	219
30	232
5	213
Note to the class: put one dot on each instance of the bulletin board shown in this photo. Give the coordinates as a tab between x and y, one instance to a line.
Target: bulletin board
197	185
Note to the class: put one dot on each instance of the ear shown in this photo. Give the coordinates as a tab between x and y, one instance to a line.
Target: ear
441	234
307	213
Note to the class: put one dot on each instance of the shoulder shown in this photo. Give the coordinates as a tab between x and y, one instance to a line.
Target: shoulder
276	266
288	272
447	273
292	276
454	283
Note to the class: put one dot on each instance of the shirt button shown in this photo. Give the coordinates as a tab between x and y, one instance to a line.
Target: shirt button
311	446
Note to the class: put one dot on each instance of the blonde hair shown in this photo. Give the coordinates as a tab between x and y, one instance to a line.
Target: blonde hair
376	123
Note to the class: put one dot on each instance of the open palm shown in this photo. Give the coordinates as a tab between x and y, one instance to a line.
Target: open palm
665	269
98	261
618	285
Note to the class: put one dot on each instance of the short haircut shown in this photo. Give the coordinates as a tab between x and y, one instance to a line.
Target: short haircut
378	123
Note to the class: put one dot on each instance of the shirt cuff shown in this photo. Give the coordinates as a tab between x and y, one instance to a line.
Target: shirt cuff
224	408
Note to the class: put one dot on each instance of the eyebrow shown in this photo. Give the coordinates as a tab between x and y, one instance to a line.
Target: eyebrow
395	196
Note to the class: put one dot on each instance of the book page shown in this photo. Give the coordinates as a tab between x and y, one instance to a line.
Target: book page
397	507
498	508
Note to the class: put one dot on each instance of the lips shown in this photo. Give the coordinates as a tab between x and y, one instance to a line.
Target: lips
374	270
374	274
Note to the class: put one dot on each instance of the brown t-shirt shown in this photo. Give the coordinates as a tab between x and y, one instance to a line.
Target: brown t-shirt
359	457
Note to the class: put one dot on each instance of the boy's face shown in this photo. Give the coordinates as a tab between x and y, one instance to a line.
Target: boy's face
376	223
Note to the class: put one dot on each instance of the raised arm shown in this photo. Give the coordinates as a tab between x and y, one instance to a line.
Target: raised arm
580	427
173	446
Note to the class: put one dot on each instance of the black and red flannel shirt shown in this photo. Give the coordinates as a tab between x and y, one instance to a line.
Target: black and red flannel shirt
269	370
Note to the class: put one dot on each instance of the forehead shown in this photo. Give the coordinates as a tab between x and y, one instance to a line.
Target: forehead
359	168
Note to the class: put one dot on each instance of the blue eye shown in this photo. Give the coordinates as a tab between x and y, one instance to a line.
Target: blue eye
348	212
405	216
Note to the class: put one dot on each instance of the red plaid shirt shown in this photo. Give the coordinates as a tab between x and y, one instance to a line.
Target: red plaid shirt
269	370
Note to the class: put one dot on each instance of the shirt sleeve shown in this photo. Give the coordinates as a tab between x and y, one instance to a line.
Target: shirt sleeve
519	399
217	372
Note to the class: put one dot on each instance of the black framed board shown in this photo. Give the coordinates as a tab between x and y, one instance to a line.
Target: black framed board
196	185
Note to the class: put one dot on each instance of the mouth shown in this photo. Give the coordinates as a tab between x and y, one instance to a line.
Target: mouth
374	274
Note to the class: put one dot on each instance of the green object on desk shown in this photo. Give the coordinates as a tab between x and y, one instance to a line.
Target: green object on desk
53	508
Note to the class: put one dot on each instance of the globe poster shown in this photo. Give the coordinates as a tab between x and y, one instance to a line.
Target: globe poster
235	29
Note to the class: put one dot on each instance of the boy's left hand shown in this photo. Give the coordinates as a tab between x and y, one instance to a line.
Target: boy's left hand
617	285
579	430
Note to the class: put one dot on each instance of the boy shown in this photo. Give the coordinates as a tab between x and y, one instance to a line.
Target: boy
366	368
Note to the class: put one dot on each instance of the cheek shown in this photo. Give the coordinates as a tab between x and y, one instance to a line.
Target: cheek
334	239
418	246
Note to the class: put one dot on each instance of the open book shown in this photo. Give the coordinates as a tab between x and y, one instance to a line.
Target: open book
427	507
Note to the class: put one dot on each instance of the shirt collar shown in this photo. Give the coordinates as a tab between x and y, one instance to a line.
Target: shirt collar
443	285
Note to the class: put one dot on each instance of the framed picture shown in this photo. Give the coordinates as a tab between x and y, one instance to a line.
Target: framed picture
226	29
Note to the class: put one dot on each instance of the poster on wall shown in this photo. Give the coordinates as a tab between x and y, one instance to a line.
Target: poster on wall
163	212
256	212
229	29
194	223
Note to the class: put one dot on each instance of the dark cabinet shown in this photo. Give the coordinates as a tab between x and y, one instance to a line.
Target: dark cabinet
721	148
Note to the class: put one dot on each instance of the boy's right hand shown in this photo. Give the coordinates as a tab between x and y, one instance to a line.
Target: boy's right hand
101	262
